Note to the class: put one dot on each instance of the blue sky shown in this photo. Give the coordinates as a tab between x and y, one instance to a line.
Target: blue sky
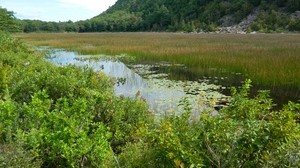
56	10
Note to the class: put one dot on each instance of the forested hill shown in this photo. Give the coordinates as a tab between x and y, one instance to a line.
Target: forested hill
197	15
184	15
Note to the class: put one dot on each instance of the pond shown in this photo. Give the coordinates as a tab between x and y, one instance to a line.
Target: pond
148	82
163	85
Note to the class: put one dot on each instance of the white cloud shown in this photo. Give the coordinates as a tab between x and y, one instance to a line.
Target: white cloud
93	5
57	10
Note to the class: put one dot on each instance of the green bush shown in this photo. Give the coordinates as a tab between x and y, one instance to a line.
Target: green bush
59	82
294	25
271	21
65	116
248	133
7	43
252	133
13	155
67	135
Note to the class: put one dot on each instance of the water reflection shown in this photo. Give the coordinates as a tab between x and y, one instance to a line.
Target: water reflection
160	93
116	69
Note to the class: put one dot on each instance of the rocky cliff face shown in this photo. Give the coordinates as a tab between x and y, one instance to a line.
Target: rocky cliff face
295	15
228	25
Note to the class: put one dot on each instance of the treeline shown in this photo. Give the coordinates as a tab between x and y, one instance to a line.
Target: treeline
8	22
179	15
194	15
41	26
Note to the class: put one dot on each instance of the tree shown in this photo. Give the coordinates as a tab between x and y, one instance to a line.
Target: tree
8	22
293	5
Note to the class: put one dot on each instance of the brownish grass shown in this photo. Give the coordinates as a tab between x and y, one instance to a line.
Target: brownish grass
268	59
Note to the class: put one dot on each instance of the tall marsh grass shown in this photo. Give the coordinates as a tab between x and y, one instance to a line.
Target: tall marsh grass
268	59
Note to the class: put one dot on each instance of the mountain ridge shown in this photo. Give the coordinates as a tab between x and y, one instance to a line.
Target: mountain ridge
220	16
200	15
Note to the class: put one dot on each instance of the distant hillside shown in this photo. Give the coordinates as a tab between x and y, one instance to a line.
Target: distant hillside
197	15
223	16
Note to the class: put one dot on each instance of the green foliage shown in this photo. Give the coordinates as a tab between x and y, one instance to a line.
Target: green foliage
176	15
65	136
4	78
8	22
253	133
293	5
118	21
9	44
272	21
13	155
166	15
246	134
62	116
294	25
59	82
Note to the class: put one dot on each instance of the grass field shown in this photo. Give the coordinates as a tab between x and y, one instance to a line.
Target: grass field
267	59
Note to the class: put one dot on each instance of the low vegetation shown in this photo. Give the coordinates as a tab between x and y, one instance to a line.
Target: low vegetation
274	21
54	116
60	116
269	59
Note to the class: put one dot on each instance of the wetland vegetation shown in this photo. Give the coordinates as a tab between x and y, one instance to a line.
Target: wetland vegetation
145	81
270	60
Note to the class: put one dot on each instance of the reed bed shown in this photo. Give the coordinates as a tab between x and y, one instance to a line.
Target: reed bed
268	59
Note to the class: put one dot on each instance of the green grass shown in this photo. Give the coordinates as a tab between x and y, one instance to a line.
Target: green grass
268	59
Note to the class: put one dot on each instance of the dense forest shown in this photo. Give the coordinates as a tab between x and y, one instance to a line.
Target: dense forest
182	15
195	15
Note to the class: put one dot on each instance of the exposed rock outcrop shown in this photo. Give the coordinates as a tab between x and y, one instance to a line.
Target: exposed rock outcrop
295	15
228	25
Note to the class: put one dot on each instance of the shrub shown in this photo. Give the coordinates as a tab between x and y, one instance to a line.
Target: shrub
294	25
7	43
271	21
65	116
248	133
13	155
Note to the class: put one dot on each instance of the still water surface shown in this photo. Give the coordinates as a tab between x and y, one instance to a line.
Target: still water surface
161	93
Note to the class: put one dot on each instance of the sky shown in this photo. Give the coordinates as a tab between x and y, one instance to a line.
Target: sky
56	10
